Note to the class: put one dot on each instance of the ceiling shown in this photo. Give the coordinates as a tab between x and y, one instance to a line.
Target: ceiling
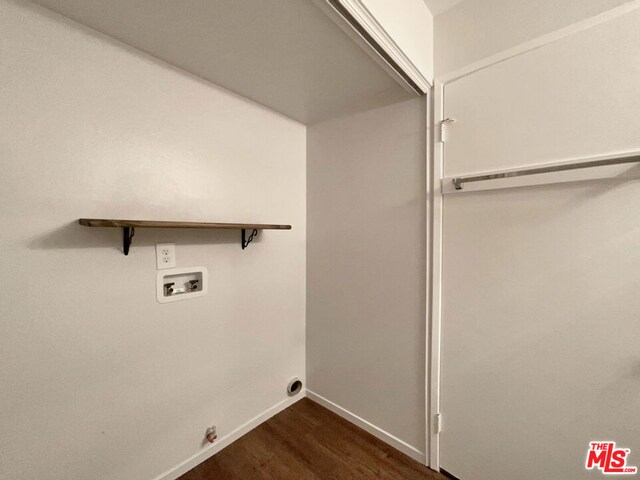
285	54
439	6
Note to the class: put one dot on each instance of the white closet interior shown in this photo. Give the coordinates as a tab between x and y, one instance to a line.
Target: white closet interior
539	274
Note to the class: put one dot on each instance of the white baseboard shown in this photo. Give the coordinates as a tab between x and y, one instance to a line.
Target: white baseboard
227	440
369	427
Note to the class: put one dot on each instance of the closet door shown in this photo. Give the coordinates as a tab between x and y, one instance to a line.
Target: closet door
541	281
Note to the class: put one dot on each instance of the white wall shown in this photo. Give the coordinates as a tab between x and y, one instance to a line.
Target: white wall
541	105
366	267
475	29
98	379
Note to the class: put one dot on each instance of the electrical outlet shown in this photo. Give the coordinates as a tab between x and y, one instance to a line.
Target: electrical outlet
165	255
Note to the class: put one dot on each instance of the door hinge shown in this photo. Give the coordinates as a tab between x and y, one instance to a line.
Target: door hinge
437	423
443	129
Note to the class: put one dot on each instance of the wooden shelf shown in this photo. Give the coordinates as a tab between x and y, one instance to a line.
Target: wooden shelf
129	226
99	222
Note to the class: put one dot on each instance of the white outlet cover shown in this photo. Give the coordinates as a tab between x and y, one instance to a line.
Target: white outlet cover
165	255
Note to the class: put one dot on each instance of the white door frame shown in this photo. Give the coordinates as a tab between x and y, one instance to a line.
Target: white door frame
434	273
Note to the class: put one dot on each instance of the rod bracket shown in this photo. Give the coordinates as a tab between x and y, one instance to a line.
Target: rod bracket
457	183
247	240
127	237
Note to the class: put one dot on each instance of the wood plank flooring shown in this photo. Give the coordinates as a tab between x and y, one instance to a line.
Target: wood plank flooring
307	441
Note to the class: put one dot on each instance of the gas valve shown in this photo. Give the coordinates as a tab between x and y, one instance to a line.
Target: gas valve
211	434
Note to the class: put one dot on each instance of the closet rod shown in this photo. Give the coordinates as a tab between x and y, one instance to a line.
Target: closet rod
458	182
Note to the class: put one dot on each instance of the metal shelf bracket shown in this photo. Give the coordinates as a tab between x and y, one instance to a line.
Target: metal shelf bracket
127	236
247	240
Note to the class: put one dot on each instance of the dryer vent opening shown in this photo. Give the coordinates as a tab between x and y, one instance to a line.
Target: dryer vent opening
294	387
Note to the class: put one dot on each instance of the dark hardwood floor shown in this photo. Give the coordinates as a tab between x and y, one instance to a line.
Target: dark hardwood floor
307	441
